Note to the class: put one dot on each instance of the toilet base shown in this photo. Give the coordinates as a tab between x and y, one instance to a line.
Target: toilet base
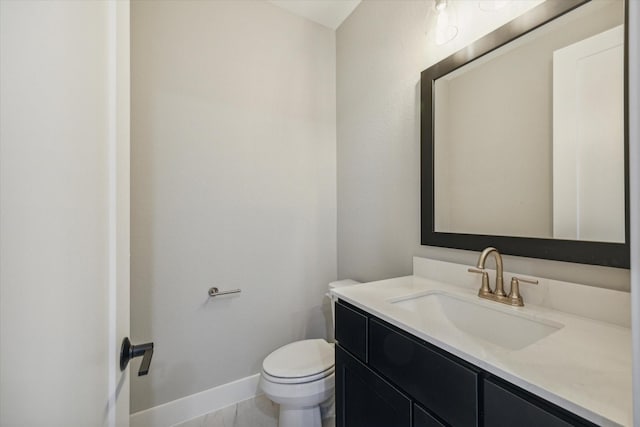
300	403
300	417
328	408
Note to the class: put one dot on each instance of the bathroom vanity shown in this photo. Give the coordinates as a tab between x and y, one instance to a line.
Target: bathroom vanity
424	350
433	387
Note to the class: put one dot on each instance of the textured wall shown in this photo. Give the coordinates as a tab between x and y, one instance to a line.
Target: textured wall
381	50
233	185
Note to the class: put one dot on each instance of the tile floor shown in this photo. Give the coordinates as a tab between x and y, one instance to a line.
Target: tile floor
256	412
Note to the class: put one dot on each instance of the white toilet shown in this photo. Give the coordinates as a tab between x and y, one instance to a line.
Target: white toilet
300	378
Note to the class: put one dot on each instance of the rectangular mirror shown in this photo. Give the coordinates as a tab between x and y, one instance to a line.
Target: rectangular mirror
524	138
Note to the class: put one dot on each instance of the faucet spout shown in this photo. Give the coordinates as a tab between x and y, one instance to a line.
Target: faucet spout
499	292
514	298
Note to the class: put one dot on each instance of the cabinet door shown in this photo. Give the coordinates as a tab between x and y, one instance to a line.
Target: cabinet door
422	418
363	399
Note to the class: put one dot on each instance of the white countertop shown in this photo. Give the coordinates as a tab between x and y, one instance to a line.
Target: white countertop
584	367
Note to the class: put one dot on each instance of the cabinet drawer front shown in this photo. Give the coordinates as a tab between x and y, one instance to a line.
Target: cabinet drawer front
351	330
364	399
445	387
504	407
422	418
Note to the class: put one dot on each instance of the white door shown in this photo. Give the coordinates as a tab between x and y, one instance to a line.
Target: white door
588	139
64	212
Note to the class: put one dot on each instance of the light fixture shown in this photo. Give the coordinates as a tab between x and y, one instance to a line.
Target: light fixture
441	5
492	5
446	30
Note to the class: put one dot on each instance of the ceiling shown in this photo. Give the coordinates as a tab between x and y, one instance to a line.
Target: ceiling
330	13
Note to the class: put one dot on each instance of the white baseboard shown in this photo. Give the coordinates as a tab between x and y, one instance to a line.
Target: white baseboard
207	401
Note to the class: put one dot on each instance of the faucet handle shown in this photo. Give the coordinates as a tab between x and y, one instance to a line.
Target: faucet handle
520	279
484	289
514	293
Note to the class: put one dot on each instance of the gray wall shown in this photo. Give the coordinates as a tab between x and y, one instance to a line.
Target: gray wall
233	185
381	50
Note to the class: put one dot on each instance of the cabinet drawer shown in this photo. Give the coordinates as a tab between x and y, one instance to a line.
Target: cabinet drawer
422	418
445	387
351	330
504	406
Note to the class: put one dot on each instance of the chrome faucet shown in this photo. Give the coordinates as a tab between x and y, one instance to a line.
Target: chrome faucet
514	297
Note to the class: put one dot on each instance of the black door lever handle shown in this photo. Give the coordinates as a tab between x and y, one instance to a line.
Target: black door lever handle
128	352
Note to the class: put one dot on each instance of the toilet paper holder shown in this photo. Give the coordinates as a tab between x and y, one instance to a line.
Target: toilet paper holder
215	292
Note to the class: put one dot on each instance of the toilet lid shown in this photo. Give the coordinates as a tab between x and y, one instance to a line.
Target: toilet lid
300	359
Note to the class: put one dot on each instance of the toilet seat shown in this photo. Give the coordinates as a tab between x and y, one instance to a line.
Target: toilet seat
300	362
298	380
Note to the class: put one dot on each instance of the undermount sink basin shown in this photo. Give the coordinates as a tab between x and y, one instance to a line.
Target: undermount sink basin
496	325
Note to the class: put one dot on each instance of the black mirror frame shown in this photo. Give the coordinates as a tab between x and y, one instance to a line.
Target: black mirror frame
584	252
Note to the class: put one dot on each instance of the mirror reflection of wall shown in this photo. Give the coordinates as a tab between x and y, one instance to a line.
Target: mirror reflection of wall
522	152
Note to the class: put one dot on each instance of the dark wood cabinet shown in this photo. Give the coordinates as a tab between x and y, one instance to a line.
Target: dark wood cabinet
448	387
351	330
386	377
365	399
422	418
506	406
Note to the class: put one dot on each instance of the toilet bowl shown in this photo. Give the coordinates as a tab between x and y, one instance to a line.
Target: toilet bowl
300	378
